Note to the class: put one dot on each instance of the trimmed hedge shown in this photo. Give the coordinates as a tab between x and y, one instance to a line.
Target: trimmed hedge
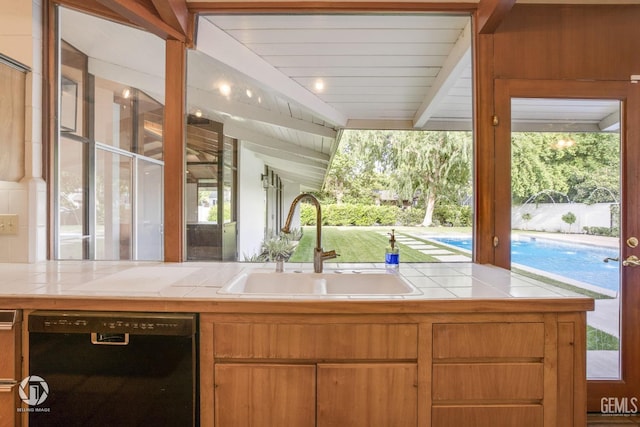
368	215
347	214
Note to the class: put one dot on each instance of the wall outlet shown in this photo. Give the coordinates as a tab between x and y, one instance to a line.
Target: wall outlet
9	224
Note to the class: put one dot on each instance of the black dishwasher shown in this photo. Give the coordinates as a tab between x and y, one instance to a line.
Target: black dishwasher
111	369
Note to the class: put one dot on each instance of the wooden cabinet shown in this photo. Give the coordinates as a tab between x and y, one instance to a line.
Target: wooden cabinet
305	373
431	370
9	416
367	395
323	395
10	367
265	395
506	373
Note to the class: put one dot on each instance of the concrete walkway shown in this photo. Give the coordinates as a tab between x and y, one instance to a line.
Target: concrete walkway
441	254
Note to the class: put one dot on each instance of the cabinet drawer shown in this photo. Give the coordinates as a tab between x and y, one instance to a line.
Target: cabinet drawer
488	416
488	381
488	340
315	341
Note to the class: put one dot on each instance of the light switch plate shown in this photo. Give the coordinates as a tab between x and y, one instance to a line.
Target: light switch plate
8	224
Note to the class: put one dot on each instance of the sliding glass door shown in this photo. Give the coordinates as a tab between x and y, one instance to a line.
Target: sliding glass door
108	158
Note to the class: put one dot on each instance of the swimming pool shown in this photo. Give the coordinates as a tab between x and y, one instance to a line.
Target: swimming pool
574	261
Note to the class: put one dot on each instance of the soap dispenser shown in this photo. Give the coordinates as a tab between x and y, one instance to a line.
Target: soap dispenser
392	254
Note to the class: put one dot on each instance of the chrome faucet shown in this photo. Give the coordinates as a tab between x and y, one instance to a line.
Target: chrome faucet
318	254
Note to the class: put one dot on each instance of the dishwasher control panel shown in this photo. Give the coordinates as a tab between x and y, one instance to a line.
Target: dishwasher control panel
182	324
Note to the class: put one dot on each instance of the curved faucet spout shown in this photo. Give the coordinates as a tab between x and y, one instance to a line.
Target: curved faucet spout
318	254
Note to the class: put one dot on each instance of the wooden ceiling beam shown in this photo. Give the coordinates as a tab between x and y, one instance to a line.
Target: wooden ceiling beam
174	13
145	18
328	6
93	7
491	13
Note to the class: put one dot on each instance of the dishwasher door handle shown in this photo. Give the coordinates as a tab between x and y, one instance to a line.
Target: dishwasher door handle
98	338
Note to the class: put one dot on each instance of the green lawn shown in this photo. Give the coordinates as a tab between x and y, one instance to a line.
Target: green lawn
600	340
355	244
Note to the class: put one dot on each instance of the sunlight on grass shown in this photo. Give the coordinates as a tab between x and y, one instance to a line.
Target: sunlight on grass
355	244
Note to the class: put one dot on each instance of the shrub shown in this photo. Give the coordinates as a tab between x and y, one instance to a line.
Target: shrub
277	248
368	215
453	215
602	231
307	214
387	215
408	217
350	214
569	218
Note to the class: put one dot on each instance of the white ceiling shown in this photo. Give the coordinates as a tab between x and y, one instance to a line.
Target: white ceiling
384	71
375	68
380	71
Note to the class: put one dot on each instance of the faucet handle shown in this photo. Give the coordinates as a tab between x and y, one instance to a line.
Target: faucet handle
329	254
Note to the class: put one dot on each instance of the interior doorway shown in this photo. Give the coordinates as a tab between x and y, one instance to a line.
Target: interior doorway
211	182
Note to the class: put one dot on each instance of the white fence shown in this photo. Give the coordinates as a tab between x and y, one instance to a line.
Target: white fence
548	216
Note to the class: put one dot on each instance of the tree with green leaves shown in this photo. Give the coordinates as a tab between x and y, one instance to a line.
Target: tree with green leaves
569	218
582	166
432	165
435	164
353	175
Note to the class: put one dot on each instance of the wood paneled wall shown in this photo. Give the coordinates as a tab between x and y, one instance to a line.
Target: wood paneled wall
551	43
572	42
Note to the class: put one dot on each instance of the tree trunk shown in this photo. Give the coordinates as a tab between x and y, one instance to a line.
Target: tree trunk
339	193
430	204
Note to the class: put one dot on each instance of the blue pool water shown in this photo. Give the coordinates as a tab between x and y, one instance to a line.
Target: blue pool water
583	263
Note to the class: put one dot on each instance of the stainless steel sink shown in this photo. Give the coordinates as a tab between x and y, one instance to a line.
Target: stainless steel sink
370	282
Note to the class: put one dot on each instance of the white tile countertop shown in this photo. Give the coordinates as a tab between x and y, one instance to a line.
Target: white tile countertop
203	281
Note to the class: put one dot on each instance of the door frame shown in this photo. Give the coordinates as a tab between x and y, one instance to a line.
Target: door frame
628	93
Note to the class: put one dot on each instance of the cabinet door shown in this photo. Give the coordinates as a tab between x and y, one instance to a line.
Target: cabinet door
367	395
255	395
8	405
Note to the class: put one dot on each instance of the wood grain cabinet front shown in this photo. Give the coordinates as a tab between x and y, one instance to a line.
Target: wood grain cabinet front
322	395
9	402
367	395
265	395
431	370
306	373
10	366
505	373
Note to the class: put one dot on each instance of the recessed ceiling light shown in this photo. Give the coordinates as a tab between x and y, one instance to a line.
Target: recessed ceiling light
249	93
318	85
198	113
225	89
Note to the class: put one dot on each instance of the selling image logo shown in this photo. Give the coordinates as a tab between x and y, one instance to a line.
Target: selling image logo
33	390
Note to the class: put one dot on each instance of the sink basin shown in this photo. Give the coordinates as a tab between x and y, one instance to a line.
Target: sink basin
315	284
